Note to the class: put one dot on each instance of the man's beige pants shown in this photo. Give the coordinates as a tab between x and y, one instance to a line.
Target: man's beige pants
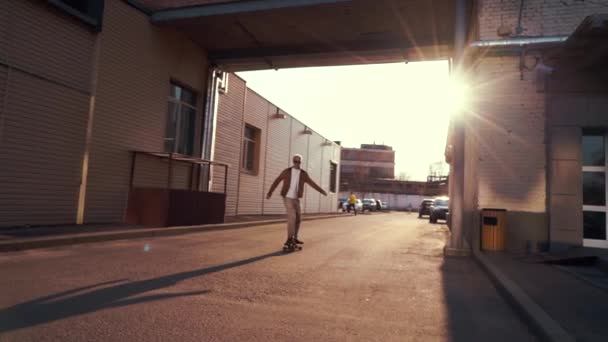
294	216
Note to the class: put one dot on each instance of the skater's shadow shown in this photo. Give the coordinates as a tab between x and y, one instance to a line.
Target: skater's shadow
112	294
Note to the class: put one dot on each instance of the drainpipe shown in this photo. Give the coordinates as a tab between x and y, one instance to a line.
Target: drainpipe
519	42
456	244
518	46
210	122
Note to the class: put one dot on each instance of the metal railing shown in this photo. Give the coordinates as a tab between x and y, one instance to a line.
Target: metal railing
196	166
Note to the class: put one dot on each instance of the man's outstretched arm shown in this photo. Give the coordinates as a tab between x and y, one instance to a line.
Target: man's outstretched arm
315	186
275	184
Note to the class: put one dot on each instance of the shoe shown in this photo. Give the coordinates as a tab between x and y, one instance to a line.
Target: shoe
299	242
287	242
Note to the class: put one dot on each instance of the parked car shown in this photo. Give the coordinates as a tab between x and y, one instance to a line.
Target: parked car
341	202
439	209
369	204
379	205
425	207
358	206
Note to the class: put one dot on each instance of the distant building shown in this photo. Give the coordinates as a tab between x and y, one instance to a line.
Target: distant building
399	195
369	172
369	161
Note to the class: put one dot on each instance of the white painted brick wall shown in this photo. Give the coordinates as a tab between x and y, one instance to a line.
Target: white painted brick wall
508	115
539	17
508	121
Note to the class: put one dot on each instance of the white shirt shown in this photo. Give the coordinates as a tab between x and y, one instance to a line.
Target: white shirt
293	186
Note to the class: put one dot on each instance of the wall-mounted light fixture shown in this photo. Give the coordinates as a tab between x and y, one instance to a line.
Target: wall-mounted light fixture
307	131
327	142
279	115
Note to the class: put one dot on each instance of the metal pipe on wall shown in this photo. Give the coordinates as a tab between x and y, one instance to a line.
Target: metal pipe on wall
210	122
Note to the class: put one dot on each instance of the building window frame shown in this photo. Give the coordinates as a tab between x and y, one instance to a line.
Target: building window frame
333	177
181	103
92	15
250	154
595	208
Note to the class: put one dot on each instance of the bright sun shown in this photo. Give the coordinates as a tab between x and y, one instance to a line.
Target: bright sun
457	96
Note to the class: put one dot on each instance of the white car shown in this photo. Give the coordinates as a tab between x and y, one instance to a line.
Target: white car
358	206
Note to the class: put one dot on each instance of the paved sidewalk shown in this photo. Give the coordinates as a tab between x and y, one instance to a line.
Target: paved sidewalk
13	239
43	231
574	297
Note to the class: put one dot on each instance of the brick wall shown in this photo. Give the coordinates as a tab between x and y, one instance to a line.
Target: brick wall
539	17
508	116
508	124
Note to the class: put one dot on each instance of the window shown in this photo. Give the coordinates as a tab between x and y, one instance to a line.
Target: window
88	11
594	188
333	177
181	119
251	145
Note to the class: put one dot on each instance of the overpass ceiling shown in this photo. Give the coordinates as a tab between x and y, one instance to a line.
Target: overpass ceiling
263	34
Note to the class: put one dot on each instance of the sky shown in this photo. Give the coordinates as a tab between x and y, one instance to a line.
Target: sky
406	106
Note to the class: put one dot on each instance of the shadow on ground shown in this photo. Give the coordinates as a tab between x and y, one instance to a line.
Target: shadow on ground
111	294
476	311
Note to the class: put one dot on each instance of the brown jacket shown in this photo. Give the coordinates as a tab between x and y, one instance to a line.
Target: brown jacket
285	176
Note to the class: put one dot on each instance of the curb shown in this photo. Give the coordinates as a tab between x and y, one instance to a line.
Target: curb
72	239
538	320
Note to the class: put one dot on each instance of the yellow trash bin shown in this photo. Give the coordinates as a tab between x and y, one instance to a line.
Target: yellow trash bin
493	224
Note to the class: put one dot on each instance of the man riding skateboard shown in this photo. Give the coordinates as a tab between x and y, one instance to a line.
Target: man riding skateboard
294	179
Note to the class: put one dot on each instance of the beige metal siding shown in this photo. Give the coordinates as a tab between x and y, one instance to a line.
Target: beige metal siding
43	40
152	172
228	140
41	150
251	186
299	144
277	158
44	99
280	139
330	203
137	63
314	168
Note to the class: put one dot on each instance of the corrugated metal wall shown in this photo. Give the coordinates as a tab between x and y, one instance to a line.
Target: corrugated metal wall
46	77
251	186
277	158
299	144
45	70
280	139
228	140
137	63
314	167
330	153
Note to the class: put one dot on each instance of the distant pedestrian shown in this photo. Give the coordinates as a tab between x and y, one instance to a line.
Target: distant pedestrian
293	179
352	201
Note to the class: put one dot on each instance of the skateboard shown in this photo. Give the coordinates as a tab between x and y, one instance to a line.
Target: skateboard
292	248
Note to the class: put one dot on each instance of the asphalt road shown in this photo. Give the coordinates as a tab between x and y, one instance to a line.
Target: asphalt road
378	277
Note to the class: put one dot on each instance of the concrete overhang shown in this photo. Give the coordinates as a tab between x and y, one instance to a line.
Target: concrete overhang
263	34
587	47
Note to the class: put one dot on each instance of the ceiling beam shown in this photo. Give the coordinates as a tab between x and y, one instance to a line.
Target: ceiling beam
338	48
234	7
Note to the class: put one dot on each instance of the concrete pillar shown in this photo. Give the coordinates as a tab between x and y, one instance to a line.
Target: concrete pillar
457	244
